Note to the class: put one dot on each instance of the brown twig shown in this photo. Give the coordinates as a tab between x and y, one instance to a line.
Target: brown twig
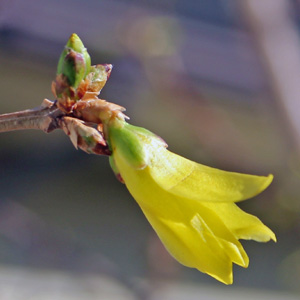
49	117
43	118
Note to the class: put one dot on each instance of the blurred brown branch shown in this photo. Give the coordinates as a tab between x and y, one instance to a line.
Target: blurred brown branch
275	34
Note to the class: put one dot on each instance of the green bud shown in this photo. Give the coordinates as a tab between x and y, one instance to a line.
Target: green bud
74	68
74	62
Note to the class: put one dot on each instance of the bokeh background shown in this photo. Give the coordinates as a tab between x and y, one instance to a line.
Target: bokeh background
219	80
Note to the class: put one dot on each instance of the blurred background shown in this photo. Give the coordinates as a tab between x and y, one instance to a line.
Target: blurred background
217	79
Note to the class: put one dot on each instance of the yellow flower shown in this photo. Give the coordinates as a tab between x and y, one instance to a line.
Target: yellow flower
190	206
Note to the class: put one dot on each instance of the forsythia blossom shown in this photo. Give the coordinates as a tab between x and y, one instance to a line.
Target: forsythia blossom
190	206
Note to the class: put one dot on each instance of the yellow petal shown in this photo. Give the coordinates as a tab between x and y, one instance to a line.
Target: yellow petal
243	225
196	246
225	242
181	176
186	178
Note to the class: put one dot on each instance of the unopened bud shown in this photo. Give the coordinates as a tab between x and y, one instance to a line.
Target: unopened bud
74	62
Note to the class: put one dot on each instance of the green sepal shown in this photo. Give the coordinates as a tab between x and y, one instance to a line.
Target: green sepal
115	169
129	145
147	134
113	165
